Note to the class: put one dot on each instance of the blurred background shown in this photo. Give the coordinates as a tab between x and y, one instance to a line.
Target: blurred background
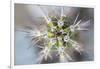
28	15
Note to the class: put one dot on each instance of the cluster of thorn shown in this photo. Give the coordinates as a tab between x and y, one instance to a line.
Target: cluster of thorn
59	37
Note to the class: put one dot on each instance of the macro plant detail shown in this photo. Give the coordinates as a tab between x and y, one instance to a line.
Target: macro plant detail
59	37
53	34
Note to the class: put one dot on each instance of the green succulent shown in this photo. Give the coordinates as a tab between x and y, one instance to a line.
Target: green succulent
55	30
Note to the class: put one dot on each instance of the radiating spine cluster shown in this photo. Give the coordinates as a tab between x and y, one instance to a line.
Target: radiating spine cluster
59	37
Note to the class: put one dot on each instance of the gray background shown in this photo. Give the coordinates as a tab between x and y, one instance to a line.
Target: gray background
26	15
